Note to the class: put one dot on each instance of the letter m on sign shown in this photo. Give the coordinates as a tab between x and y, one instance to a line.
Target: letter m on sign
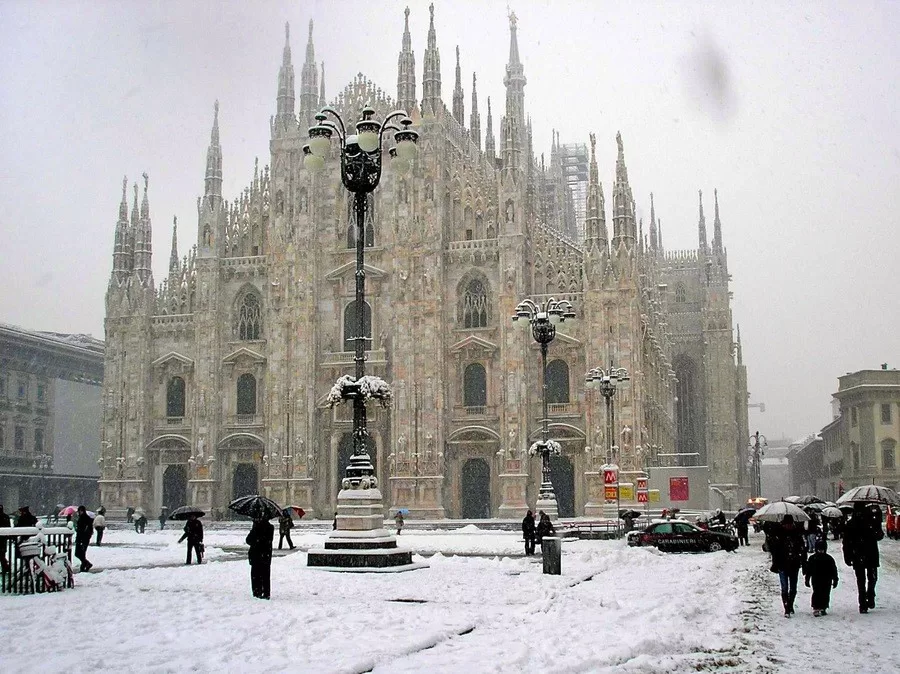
679	489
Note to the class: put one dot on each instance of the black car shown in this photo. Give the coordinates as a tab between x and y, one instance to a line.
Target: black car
673	536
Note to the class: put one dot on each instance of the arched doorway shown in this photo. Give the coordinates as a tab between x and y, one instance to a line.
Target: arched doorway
345	451
245	480
174	488
562	475
475	489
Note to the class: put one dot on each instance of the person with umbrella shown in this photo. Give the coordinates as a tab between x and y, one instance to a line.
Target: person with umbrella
260	555
84	530
788	549
861	535
285	524
528	533
742	524
193	532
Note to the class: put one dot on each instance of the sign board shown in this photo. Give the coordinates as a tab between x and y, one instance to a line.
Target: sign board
654	495
641	483
643	496
610	474
626	491
609	493
679	489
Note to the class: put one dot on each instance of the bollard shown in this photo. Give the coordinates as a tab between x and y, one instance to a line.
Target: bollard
551	552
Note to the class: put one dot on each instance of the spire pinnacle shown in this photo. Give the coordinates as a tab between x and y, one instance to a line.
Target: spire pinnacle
717	225
145	203
475	118
654	241
123	206
458	105
406	70
489	147
701	225
322	103
173	257
595	221
286	54
214	159
285	121
432	35
623	201
431	80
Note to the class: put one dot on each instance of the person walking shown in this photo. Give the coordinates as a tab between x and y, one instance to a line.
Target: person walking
193	532
821	570
4	522
26	518
100	524
812	532
84	531
129	515
260	555
861	535
285	524
162	518
398	520
140	523
528	533
788	549
544	527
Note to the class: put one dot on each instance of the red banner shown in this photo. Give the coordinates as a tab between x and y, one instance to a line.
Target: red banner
679	489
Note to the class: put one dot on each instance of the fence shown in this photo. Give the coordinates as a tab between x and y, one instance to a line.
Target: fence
17	580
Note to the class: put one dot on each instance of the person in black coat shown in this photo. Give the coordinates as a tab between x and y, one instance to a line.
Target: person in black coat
193	532
544	527
260	555
285	524
861	535
26	518
4	522
528	533
788	549
84	531
822	571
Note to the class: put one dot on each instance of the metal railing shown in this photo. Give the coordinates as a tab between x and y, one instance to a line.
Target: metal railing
17	579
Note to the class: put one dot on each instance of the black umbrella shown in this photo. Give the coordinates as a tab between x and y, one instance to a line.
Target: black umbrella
256	507
806	500
184	512
625	513
744	514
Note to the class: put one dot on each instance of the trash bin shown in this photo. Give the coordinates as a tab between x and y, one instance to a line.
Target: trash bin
551	551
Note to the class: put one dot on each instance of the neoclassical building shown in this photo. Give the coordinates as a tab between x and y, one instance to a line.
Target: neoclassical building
217	375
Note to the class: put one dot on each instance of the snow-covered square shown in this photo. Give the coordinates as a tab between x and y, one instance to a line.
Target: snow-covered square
480	606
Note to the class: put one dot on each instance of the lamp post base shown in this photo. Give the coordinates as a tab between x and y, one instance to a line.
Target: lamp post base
549	505
360	542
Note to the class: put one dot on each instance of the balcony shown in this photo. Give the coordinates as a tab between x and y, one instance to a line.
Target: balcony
475	410
469	413
246	420
170	424
562	408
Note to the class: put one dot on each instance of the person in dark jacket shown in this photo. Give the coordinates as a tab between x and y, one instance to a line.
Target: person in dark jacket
285	524
544	527
861	535
528	533
84	531
788	549
193	532
163	516
821	570
4	522
26	519
260	555
129	515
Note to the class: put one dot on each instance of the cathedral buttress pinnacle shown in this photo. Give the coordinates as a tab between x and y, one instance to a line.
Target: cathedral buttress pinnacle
143	249
475	119
654	242
458	96
284	118
595	221
489	147
623	202
173	256
214	161
406	70
322	102
309	85
717	226
701	226
122	262
431	80
512	127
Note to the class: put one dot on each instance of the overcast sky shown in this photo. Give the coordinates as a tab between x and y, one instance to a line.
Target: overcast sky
789	109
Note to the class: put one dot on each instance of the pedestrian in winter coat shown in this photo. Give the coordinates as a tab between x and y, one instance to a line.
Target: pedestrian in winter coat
260	555
26	519
4	522
84	531
812	532
743	531
821	571
129	515
398	520
788	549
140	523
861	535
193	532
162	518
544	527
285	524
528	533
100	525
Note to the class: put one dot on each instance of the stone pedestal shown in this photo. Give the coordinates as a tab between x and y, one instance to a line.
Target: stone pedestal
549	506
512	490
594	505
360	542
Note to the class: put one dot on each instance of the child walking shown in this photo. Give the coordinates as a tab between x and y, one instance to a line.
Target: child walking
822	571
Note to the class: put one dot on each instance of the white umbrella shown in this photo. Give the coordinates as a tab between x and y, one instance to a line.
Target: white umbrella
831	512
871	493
775	512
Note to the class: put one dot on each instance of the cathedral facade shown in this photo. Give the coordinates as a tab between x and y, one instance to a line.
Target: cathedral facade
217	376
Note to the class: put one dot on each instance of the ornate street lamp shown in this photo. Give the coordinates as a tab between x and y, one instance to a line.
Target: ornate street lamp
606	381
361	163
44	463
543	320
359	539
757	444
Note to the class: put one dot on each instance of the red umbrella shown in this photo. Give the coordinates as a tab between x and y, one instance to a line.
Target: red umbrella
300	512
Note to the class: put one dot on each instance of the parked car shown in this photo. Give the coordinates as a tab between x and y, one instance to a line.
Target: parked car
681	536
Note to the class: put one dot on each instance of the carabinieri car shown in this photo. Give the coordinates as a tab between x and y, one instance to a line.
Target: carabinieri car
680	536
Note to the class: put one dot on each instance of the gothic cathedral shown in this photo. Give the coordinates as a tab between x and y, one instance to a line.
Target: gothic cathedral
216	378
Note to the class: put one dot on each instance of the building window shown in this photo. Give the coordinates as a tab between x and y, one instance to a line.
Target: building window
38	440
475	386
249	318
246	394
889	454
41	393
475	305
175	397
2	387
885	413
20	440
557	382
854	419
680	295
854	456
22	391
2	437
350	323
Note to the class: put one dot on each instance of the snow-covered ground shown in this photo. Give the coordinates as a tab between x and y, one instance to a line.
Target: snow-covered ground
479	606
